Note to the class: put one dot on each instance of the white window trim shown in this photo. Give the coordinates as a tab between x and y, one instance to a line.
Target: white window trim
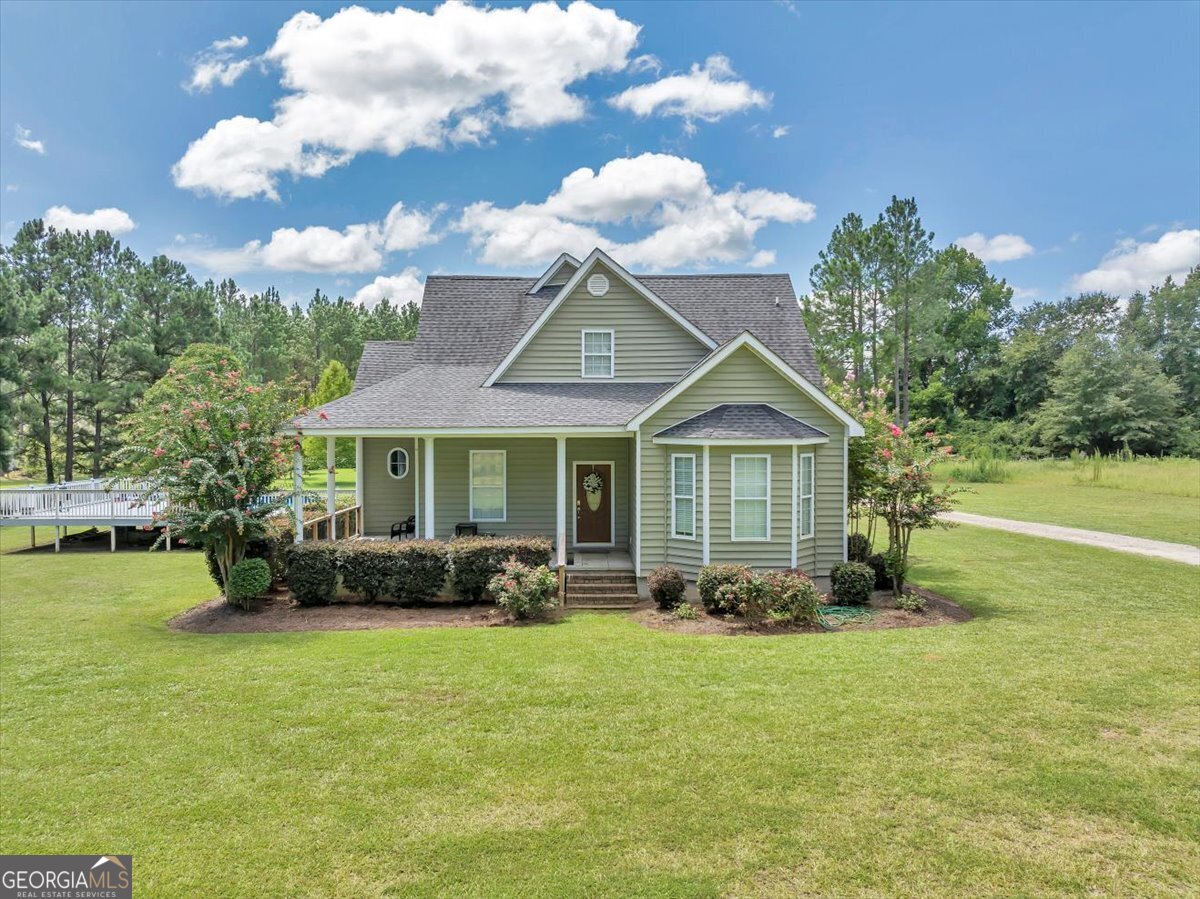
733	498
407	462
677	496
471	485
612	353
811	497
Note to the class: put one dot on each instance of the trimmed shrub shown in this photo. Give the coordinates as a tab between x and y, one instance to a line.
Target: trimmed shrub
410	572
667	586
852	583
717	587
791	597
474	561
312	572
248	580
878	564
272	547
911	602
524	590
858	547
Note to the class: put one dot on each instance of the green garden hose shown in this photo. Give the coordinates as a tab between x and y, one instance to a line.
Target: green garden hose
833	617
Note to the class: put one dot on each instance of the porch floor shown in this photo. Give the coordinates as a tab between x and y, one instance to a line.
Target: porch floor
613	560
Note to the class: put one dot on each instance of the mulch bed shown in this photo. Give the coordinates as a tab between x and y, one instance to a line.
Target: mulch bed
280	613
939	610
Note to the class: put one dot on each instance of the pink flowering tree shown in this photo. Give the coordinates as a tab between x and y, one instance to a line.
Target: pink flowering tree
892	479
208	441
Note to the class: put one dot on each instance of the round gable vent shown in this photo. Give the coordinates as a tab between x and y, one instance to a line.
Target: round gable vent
597	285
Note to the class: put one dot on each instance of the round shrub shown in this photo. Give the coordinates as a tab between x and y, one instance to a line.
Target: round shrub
911	602
523	590
667	586
852	583
476	560
312	572
717	587
878	565
248	580
790	597
858	547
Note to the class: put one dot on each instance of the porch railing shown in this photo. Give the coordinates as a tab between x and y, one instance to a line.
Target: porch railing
346	523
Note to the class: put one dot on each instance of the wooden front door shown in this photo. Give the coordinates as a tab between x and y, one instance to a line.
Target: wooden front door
593	510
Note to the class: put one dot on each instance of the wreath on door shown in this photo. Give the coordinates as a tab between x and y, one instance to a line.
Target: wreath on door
593	487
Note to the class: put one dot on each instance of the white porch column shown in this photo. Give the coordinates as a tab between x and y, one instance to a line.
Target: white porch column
358	475
112	538
331	484
795	502
560	518
705	517
637	502
429	512
56	541
418	522
298	492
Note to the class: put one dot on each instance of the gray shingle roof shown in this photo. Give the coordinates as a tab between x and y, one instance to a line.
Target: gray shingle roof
451	396
469	319
382	359
742	421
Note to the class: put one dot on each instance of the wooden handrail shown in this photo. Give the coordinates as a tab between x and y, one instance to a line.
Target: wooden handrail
348	524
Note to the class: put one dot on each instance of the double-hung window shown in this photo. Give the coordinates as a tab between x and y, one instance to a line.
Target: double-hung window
806	495
488	470
597	352
683	496
751	490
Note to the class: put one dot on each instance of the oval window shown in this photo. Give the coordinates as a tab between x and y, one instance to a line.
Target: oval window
397	462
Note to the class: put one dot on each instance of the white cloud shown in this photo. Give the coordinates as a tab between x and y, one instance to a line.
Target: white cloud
690	222
780	131
998	248
25	139
1132	266
357	248
647	62
110	219
400	289
1024	293
708	92
362	81
218	64
762	259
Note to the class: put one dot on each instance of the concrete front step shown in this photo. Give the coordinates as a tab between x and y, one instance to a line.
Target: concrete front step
577	578
592	587
601	600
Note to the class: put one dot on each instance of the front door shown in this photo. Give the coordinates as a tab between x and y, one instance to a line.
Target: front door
593	502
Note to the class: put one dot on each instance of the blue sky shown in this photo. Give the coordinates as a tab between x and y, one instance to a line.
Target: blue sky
1059	141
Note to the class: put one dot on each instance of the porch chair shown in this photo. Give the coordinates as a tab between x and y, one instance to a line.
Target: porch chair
404	530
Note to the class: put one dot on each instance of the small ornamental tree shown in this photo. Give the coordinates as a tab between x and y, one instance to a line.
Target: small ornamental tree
902	491
210	448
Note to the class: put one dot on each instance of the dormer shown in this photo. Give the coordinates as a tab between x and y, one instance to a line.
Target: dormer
603	324
557	274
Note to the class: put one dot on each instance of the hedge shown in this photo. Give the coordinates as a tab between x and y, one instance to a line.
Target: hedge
476	560
667	586
312	572
710	581
852	583
409	572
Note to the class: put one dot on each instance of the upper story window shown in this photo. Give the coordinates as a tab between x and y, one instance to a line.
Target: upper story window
597	352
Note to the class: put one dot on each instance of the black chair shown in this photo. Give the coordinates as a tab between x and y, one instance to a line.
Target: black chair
403	530
466	529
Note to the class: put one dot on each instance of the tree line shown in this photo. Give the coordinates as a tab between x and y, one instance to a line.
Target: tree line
86	326
940	333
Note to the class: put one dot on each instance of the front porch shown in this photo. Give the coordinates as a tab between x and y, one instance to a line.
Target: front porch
578	490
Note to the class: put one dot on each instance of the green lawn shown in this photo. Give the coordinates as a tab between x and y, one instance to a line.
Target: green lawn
1049	747
1159	499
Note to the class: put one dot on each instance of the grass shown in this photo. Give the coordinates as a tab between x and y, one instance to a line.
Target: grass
1154	498
1049	747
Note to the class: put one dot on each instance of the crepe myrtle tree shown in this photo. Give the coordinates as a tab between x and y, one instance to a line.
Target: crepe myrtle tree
210	446
902	488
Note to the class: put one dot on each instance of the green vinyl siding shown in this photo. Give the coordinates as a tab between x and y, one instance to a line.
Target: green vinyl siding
744	378
649	346
530	482
386	500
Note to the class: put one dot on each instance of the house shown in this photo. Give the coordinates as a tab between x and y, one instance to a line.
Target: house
664	418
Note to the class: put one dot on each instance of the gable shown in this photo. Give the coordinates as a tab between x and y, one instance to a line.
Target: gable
649	344
744	377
